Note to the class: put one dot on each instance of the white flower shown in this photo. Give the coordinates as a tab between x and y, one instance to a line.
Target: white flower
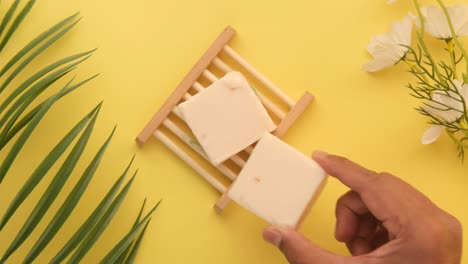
437	24
432	134
449	110
388	49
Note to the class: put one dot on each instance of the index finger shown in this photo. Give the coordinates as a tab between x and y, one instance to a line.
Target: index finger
386	197
349	173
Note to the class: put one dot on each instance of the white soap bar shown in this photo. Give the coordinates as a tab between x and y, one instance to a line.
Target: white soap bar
226	117
278	183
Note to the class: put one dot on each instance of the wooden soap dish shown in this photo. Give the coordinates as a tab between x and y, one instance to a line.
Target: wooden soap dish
167	125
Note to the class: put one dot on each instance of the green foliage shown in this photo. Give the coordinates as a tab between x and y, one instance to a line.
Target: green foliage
21	113
443	101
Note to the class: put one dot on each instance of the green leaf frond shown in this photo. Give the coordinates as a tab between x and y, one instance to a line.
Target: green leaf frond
22	109
438	78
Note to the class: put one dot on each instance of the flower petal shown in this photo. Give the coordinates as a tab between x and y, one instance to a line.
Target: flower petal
442	106
388	49
432	134
436	22
459	16
463	88
464	93
401	31
463	31
376	65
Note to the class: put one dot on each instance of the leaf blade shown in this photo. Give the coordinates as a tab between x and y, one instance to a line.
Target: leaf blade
38	75
30	115
92	220
70	202
44	167
137	220
9	159
35	54
36	41
9	15
52	191
9	119
16	23
131	257
114	254
99	228
28	97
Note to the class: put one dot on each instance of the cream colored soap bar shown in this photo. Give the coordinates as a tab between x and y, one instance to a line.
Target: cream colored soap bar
278	183
226	117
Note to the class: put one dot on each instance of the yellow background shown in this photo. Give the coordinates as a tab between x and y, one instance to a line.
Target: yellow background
145	49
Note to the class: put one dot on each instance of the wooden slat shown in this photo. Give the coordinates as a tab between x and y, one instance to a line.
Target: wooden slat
260	77
220	64
266	102
185	85
197	86
238	160
293	114
196	147
222	202
249	149
190	161
210	76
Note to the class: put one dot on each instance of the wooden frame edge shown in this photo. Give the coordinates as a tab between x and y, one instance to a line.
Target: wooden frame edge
293	114
185	85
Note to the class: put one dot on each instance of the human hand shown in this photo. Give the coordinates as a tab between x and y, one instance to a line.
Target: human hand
381	220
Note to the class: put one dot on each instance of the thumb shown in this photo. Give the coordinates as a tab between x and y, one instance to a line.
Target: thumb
298	249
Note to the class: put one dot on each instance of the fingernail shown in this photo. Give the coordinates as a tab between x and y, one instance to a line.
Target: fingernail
319	154
272	236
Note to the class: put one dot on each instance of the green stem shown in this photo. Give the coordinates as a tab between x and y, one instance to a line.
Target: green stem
420	14
450	48
455	139
416	67
420	35
455	38
463	124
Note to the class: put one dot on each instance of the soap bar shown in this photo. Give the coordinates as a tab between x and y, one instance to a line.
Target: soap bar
226	117
278	183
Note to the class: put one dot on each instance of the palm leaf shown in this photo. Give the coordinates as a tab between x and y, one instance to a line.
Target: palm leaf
10	158
16	23
38	75
36	41
29	116
137	220
45	166
140	213
27	98
13	121
9	15
131	257
52	190
115	253
95	232
67	207
36	53
20	106
94	218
